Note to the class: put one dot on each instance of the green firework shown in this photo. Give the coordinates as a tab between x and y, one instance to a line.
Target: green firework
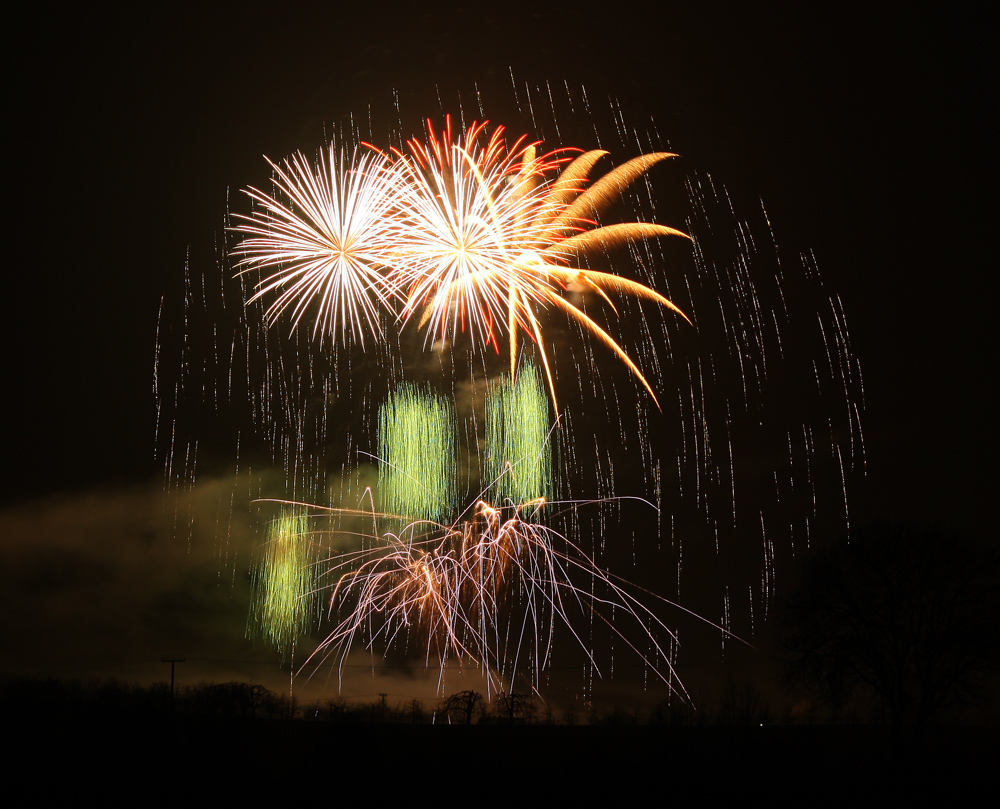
416	448
518	452
284	591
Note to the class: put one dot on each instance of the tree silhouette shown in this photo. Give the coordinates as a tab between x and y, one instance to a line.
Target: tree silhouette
464	703
743	704
911	615
513	708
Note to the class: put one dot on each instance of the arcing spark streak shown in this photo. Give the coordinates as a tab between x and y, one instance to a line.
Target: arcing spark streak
445	591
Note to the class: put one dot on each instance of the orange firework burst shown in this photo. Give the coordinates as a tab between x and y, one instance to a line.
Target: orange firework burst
491	237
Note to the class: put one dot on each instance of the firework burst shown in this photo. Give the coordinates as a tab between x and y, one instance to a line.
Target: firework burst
756	447
331	241
474	236
416	436
284	602
447	591
490	237
518	435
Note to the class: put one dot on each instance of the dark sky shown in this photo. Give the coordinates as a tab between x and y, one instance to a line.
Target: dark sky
862	126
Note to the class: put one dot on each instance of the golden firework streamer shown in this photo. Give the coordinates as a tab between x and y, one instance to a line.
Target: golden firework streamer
491	236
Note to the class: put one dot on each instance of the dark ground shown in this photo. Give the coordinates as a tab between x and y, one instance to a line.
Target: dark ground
319	760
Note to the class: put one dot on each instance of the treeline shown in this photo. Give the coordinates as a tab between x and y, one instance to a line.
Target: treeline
55	701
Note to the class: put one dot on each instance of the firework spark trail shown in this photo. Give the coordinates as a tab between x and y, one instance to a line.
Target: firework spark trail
755	309
488	239
445	589
416	437
283	581
518	434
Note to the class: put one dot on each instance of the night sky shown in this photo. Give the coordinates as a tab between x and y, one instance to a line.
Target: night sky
861	126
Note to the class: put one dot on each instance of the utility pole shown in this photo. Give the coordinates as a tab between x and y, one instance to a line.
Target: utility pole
173	661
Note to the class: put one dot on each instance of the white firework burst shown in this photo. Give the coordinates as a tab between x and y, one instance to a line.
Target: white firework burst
329	239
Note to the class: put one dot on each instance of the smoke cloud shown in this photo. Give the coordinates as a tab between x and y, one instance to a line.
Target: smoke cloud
105	583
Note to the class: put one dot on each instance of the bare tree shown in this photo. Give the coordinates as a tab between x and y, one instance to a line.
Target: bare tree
910	616
415	711
742	704
515	708
464	703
